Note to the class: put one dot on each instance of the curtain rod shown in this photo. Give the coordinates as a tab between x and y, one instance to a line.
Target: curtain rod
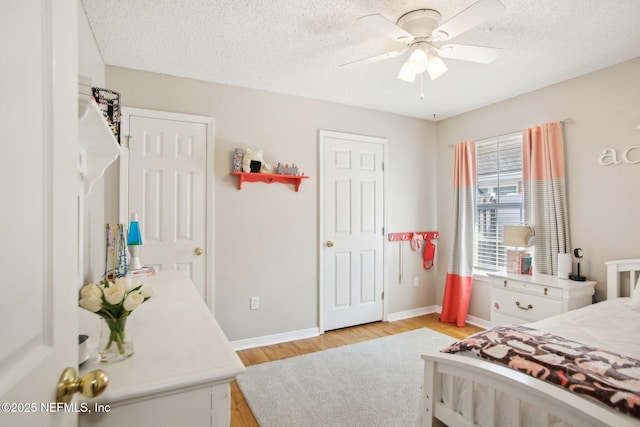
568	120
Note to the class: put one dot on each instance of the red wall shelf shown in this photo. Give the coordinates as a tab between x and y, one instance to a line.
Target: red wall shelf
269	178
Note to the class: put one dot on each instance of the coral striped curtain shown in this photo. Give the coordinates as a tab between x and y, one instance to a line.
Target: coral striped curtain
457	291
545	197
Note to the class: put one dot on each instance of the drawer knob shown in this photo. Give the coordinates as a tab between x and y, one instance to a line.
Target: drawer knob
505	283
528	307
546	290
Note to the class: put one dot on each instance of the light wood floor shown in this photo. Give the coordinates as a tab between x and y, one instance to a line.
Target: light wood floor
241	415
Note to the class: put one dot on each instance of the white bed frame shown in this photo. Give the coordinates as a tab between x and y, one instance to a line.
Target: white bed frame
546	398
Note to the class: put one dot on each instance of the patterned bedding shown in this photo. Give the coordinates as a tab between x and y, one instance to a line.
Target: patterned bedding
593	373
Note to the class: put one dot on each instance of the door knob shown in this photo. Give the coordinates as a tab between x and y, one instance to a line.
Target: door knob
329	244
198	251
90	385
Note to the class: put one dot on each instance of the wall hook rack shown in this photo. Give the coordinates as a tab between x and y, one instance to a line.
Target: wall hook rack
429	248
398	237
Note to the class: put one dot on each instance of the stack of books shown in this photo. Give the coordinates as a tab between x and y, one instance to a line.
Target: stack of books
519	262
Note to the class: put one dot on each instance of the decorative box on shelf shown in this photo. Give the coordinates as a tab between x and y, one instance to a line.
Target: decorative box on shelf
286	169
269	178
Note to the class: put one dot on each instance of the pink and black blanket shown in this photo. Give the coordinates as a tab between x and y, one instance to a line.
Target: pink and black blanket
593	373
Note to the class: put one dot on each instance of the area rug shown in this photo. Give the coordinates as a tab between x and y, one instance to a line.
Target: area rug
372	383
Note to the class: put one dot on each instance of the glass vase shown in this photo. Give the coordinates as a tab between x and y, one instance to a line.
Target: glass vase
116	342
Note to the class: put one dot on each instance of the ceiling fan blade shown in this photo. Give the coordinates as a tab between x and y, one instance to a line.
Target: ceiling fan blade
376	58
476	14
386	27
481	54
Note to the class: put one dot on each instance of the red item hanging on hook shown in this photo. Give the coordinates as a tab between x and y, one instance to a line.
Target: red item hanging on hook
429	254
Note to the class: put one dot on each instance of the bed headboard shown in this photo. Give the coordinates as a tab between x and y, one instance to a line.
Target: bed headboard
615	270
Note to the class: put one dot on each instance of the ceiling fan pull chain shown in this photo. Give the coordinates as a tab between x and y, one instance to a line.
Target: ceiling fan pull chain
421	86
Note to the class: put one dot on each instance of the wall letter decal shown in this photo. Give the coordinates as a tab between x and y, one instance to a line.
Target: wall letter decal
609	157
625	155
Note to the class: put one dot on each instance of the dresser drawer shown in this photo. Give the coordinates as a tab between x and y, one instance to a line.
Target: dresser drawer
524	305
529	288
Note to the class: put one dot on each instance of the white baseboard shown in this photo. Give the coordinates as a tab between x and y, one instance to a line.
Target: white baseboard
475	321
314	332
392	317
274	339
407	314
481	323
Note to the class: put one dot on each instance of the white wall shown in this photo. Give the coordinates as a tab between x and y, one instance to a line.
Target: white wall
603	201
266	236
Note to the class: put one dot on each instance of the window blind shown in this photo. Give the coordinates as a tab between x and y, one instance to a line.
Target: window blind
499	196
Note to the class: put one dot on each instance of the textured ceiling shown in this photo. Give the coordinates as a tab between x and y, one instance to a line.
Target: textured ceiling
296	47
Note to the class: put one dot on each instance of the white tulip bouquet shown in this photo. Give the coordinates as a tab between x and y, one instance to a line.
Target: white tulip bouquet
114	301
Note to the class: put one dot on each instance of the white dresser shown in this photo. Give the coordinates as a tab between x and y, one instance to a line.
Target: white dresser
182	365
520	298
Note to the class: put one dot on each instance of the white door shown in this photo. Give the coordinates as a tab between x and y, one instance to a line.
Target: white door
353	227
168	155
39	186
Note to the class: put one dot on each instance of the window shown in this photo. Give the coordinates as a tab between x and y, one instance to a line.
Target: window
499	198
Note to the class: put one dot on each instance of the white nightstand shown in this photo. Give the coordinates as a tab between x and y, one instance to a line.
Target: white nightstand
520	298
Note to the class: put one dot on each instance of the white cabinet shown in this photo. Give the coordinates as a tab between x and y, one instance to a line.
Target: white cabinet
182	365
520	298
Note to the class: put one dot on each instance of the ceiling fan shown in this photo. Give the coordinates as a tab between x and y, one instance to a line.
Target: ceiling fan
420	30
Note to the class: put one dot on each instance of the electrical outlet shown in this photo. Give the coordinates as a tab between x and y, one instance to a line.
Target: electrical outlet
255	303
416	282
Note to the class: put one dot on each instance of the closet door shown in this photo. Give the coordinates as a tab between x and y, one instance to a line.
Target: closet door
353	227
169	154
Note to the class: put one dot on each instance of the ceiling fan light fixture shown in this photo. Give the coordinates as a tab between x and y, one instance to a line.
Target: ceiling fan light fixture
406	73
418	60
418	29
436	67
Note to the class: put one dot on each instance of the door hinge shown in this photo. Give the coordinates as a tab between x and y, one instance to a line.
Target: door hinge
383	231
382	296
382	166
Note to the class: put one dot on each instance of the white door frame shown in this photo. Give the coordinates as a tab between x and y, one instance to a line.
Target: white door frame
322	134
128	112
